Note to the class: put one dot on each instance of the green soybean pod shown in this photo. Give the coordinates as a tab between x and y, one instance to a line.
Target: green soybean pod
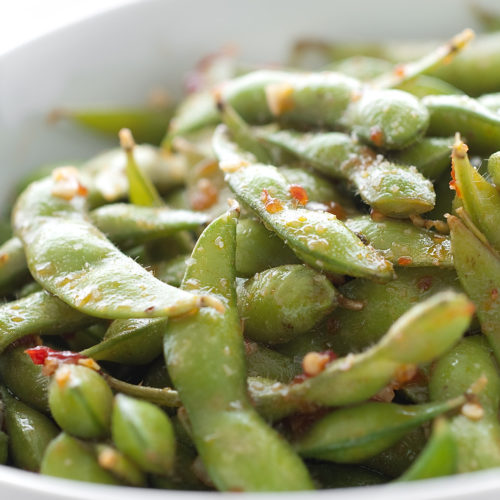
424	85
278	304
196	112
382	305
69	458
478	268
476	430
267	363
389	119
76	262
438	458
479	198
24	379
38	314
13	268
404	244
318	238
258	249
171	271
361	67
144	433
147	124
29	432
126	224
80	401
355	434
450	114
423	333
481	58
133	342
395	190
398	458
431	156
209	373
444	198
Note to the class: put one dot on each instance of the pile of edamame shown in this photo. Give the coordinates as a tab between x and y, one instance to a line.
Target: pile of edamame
298	289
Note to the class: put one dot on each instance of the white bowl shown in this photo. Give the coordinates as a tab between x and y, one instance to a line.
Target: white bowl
117	57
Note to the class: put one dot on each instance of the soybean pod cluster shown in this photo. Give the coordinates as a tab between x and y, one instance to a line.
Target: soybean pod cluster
297	289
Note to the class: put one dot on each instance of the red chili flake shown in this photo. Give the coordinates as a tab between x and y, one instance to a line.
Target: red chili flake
400	70
336	209
424	283
40	353
82	190
405	261
377	136
453	182
298	193
272	205
494	294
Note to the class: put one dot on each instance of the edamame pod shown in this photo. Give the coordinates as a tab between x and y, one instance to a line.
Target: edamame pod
196	112
318	238
476	430
171	271
387	118
450	114
124	223
424	333
478	268
143	433
278	304
24	379
69	458
258	249
162	396
403	243
382	305
265	362
80	401
13	269
38	314
133	341
394	190
147	124
200	366
29	432
479	198
431	156
438	458
73	260
352	435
